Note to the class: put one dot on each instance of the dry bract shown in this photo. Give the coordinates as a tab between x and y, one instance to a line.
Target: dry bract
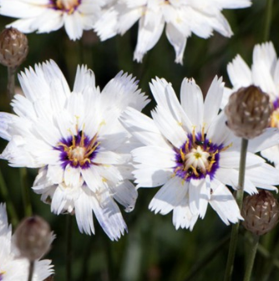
248	112
260	212
33	238
13	47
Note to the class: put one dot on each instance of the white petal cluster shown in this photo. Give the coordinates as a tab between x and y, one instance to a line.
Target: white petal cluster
13	268
45	16
187	190
263	73
180	18
77	141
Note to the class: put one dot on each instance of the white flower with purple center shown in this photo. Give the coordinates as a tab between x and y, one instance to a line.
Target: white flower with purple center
77	141
189	151
180	17
12	267
264	73
50	15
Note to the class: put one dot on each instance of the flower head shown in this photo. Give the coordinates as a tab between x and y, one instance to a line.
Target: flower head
13	47
260	212
248	112
77	141
189	151
264	73
33	238
180	17
49	15
10	261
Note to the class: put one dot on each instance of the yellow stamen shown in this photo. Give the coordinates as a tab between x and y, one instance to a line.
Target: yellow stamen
202	134
187	146
82	137
226	147
194	170
194	135
92	149
182	155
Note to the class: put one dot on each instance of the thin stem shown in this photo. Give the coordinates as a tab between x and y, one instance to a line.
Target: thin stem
239	199
31	270
251	258
11	81
25	192
69	248
206	259
270	262
268	18
7	199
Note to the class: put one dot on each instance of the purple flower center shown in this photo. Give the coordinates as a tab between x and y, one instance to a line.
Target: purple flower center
276	104
197	158
78	150
274	119
67	6
1	276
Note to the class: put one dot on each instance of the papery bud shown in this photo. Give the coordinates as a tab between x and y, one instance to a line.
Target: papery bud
248	112
13	47
260	212
33	238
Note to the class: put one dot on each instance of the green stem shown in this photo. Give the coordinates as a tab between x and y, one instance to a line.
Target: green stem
31	270
239	199
69	248
271	261
251	258
206	259
270	257
11	81
25	192
268	18
6	198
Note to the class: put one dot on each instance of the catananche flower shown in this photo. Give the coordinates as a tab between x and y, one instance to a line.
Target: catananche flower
188	149
13	268
77	141
181	18
50	15
264	73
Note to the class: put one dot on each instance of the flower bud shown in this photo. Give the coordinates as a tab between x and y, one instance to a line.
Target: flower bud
33	238
248	112
260	212
13	47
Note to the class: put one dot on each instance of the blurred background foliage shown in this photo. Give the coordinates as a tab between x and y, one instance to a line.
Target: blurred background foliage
152	250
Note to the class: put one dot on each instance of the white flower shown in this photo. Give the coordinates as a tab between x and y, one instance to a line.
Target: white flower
181	18
265	74
13	268
50	15
77	141
188	149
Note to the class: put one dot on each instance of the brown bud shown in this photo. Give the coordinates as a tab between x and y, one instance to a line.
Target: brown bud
248	112
33	238
13	47
260	212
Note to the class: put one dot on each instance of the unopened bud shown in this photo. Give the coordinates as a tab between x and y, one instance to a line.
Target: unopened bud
248	112
13	47
33	238
260	212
